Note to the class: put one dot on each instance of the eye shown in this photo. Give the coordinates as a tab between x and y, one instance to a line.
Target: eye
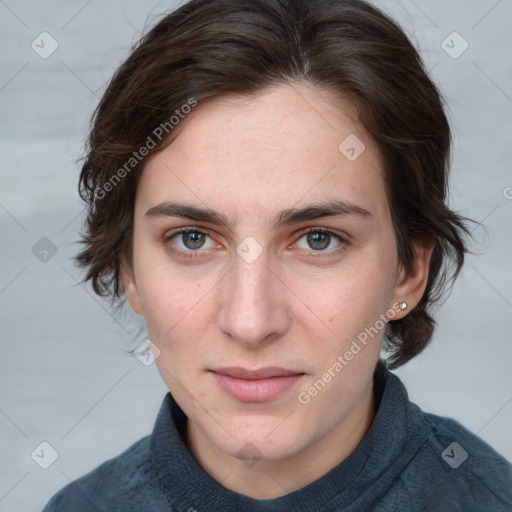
190	240
320	239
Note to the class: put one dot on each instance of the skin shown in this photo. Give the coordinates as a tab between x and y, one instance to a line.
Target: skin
298	305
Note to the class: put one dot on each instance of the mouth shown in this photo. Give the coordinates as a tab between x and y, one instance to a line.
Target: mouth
258	385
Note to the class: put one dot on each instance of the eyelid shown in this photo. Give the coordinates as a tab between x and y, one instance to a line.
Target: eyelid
319	229
186	229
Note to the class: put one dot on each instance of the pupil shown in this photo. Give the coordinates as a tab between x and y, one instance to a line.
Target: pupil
318	238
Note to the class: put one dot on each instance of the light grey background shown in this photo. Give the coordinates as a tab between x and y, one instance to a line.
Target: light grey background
65	377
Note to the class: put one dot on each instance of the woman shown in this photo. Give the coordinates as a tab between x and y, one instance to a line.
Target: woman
267	184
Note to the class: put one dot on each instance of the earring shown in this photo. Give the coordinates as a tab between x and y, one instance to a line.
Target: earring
403	305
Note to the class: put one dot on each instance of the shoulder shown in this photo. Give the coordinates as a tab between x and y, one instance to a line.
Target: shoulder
121	483
456	470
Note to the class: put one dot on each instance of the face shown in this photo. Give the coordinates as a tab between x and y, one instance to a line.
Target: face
259	243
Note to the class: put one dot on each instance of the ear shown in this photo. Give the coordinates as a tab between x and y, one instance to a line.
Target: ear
130	286
411	285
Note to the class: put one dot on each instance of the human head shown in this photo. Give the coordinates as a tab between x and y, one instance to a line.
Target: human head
207	49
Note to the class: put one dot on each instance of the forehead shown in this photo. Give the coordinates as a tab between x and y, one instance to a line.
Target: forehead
258	154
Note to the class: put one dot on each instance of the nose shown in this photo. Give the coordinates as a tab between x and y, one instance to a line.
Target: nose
253	308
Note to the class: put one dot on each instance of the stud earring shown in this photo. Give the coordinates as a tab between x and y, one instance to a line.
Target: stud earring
403	305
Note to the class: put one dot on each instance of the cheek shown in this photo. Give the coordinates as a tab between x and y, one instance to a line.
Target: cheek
350	298
348	323
179	316
349	350
166	292
164	303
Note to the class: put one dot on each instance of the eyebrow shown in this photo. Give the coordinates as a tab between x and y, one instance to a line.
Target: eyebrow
333	208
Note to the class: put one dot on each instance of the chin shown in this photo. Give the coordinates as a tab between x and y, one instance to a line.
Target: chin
259	445
250	452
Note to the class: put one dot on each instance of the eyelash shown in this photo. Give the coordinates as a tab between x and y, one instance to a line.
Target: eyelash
317	254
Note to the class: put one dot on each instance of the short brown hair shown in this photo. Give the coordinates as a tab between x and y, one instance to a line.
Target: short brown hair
209	48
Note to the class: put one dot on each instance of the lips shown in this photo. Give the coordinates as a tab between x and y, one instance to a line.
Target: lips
262	373
255	385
